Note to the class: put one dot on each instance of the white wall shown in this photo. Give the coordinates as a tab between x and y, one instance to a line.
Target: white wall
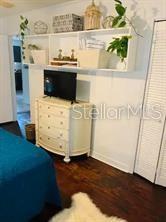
25	82
6	112
1	26
114	140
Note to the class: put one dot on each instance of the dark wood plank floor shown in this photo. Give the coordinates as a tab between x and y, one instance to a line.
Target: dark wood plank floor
114	192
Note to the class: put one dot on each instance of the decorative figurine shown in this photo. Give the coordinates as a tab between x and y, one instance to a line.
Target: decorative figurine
60	57
72	54
92	17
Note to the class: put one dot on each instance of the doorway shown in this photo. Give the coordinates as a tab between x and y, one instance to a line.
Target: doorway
21	85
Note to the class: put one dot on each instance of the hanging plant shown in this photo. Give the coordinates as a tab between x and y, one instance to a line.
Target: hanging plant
33	47
120	46
121	19
23	30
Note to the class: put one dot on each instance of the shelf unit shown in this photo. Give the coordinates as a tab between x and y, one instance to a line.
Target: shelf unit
71	40
71	69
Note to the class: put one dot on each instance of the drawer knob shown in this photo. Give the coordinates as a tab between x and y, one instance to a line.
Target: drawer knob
48	107
61	112
48	138
60	146
48	127
40	138
61	134
40	127
61	123
48	116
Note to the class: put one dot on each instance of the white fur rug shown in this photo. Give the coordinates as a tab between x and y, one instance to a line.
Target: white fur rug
83	210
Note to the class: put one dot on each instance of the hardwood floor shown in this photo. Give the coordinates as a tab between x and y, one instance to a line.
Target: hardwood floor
114	192
12	127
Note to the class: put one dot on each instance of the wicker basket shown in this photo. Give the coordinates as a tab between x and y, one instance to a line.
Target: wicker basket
67	23
30	132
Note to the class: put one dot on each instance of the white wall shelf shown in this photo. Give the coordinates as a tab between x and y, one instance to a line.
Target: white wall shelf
97	31
71	68
71	40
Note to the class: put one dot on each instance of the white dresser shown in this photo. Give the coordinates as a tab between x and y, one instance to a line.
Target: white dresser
63	128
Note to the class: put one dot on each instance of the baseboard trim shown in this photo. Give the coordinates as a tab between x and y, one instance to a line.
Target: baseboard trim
8	122
111	162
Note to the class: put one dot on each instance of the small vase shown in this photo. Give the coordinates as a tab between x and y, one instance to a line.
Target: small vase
116	63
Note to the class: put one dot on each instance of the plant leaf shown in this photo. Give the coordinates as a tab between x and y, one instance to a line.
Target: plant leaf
21	17
118	52
129	37
109	48
116	20
118	1
122	24
120	45
123	53
26	22
21	26
120	9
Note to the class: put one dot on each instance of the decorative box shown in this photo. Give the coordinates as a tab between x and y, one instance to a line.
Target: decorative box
68	23
93	58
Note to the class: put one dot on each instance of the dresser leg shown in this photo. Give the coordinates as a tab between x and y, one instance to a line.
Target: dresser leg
67	159
88	154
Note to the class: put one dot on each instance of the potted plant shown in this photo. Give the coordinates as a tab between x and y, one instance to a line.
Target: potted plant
119	49
121	19
120	46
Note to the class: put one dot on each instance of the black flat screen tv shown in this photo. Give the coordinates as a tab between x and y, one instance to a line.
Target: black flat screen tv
60	84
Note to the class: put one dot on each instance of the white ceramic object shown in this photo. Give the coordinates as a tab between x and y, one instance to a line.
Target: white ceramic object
40	57
116	63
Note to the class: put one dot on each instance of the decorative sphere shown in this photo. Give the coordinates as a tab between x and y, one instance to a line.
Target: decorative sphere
40	27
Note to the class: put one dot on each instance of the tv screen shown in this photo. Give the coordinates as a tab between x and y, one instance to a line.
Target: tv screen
60	84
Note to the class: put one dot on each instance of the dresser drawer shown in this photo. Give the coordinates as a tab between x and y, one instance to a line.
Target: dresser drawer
52	120
56	144
53	132
50	109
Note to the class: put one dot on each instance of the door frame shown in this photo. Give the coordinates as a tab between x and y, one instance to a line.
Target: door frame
155	179
13	85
